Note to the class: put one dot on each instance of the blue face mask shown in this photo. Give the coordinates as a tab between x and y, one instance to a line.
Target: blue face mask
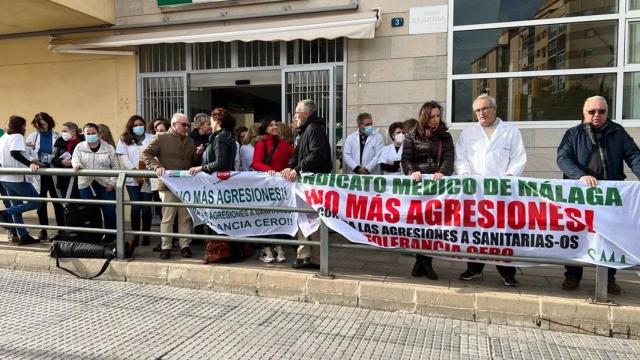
138	130
369	130
91	138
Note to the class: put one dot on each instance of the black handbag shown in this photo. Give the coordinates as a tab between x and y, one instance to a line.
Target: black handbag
71	249
85	216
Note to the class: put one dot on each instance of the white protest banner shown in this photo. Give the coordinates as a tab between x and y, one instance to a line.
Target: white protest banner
237	188
559	219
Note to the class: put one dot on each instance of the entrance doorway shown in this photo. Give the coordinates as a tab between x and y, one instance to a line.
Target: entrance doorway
248	104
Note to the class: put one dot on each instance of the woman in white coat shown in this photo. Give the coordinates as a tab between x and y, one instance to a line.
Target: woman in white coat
131	142
391	155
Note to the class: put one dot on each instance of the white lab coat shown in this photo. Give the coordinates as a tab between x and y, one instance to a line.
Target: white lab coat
389	153
503	155
372	148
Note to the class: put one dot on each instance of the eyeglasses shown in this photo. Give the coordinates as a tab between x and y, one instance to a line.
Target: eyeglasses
187	125
484	109
599	111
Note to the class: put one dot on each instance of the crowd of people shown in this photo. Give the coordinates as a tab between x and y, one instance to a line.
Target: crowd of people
592	150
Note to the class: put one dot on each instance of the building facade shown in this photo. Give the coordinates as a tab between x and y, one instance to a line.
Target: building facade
539	58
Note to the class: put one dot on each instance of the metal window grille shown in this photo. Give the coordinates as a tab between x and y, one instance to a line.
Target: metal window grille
162	58
314	85
258	53
162	96
211	55
315	51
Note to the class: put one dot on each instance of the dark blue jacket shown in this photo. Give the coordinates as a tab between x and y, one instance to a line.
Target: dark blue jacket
574	152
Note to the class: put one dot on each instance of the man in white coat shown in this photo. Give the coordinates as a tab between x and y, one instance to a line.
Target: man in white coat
362	148
492	147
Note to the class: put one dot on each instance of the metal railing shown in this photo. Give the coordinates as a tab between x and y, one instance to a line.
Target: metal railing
324	244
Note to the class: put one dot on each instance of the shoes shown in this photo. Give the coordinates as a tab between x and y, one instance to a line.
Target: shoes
157	248
280	257
570	283
511	282
417	270
129	247
469	275
304	264
613	288
428	270
145	241
5	218
55	237
185	252
27	239
12	237
42	235
165	254
267	256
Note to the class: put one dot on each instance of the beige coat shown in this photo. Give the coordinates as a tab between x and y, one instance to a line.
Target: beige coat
103	159
171	151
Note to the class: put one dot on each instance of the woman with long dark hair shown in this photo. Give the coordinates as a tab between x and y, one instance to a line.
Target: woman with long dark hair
133	139
271	154
221	151
42	142
428	150
13	154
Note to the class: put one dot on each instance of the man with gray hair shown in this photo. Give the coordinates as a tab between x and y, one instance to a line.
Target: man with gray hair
172	150
595	150
495	148
313	154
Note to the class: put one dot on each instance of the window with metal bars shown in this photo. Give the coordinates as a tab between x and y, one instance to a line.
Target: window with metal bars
258	53
162	58
315	51
211	55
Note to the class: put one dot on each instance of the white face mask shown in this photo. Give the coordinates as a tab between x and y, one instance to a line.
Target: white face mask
398	138
65	136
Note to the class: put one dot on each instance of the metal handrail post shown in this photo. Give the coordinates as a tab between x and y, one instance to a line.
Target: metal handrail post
602	282
324	251
122	177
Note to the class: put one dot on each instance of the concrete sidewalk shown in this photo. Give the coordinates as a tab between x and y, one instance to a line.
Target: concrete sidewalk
378	280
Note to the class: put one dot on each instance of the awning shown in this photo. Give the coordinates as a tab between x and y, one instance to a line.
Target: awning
353	26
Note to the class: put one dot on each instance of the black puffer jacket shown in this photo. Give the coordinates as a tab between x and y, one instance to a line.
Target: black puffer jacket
574	152
428	156
313	153
220	152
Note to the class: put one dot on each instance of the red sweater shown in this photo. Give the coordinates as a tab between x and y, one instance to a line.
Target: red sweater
280	158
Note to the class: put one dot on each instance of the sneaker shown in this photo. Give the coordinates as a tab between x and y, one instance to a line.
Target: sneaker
165	254
267	256
28	239
511	282
12	237
614	289
469	275
280	257
42	235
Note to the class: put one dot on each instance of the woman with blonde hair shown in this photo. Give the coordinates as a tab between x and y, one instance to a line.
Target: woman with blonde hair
247	148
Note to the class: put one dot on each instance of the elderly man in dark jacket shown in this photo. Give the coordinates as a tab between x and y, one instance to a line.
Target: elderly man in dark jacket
592	151
313	154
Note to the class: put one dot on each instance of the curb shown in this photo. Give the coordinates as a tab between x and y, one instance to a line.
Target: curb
543	312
